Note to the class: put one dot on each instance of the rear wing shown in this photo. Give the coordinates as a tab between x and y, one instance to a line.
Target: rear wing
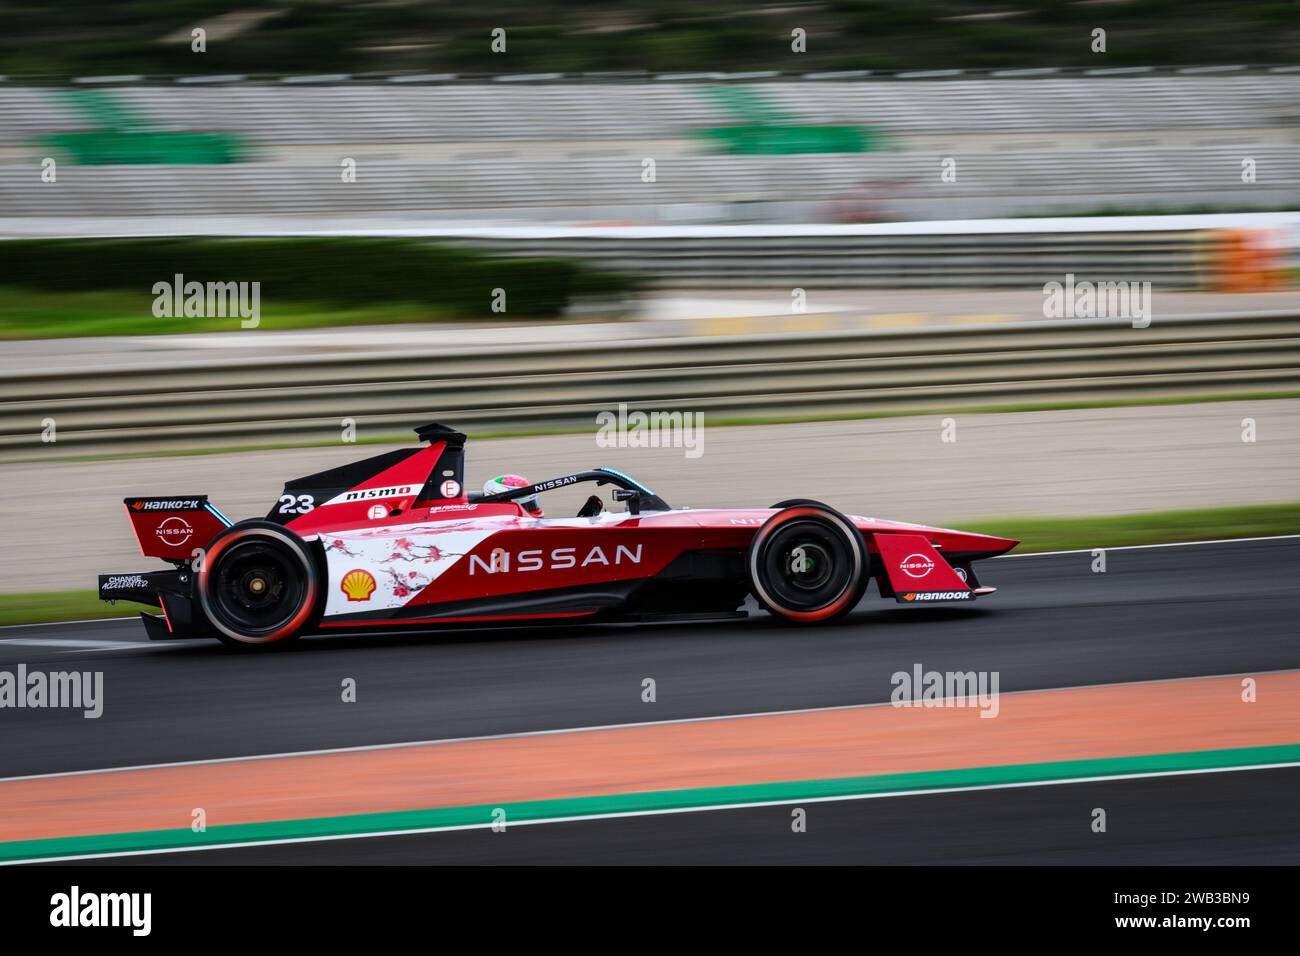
172	528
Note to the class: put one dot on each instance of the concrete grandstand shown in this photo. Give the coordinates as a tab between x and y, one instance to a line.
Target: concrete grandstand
573	151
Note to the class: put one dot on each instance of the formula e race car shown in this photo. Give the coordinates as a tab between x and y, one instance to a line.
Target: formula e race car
395	542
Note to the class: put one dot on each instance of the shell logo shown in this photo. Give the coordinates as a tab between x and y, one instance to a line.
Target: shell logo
358	585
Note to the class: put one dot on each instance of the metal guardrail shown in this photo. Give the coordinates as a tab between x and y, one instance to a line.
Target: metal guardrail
124	410
1169	260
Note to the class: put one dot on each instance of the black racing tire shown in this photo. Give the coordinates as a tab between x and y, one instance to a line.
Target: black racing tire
791	502
259	586
808	564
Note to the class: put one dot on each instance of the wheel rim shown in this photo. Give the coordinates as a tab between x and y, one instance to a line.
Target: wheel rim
807	565
256	589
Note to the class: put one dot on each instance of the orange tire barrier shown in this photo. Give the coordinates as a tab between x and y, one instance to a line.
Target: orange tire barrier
1248	260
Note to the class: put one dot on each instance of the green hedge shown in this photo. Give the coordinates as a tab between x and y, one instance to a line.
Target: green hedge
98	38
339	270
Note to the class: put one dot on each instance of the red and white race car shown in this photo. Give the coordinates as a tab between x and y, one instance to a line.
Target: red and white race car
395	542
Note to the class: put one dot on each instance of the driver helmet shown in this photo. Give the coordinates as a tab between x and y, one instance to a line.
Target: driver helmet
494	486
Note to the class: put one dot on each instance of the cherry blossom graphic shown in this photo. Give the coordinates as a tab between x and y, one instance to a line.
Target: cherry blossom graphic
404	584
337	545
404	549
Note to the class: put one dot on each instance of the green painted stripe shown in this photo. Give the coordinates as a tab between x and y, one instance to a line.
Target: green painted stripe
658	800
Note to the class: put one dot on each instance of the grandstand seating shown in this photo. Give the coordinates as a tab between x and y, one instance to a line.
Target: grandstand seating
604	130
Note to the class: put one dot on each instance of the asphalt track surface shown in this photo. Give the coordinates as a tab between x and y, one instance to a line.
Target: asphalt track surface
1156	613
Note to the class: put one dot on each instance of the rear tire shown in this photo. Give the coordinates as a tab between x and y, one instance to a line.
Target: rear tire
808	564
259	586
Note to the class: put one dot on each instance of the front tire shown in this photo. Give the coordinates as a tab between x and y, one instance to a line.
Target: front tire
259	586
808	564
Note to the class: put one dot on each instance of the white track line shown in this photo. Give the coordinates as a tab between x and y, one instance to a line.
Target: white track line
524	734
132	619
69	643
1138	547
841	798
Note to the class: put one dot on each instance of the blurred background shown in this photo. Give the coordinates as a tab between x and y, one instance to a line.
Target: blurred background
514	216
833	229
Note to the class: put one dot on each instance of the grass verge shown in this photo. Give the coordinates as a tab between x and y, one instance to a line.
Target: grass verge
43	607
40	314
64	287
1036	534
1150	527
